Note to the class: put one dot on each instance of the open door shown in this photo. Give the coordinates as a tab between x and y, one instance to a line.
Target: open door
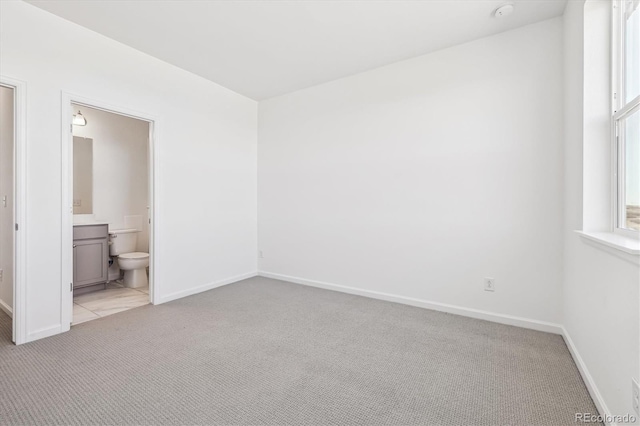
7	203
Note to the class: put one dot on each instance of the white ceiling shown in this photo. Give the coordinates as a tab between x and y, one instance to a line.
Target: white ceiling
264	48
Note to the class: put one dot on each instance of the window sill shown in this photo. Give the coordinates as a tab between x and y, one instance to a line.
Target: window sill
621	246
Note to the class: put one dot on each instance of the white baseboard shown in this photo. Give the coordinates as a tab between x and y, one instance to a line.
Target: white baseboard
44	332
6	308
205	287
586	377
436	306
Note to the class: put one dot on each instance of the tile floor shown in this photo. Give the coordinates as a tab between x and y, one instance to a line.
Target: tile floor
116	298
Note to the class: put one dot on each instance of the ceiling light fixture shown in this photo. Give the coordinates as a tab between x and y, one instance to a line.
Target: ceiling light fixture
503	11
79	120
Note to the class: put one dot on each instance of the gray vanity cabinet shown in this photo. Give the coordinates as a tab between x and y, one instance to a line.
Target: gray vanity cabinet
90	255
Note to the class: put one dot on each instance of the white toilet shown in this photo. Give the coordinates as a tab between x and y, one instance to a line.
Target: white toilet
122	243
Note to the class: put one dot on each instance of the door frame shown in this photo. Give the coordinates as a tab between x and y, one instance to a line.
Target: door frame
19	308
66	283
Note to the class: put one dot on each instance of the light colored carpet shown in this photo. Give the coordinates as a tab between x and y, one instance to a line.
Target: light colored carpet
263	351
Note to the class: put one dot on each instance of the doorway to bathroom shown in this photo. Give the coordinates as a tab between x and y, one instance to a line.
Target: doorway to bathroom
109	211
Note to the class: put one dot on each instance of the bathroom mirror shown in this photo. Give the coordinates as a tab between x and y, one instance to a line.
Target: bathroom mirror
82	175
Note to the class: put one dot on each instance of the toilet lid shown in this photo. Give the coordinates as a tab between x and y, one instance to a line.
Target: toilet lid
134	255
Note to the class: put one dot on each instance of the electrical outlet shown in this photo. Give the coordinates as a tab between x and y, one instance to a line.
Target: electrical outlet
489	284
260	255
1	275
635	395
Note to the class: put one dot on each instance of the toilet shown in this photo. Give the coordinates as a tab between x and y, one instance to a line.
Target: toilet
122	243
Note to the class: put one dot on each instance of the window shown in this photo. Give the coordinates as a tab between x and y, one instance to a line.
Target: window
626	116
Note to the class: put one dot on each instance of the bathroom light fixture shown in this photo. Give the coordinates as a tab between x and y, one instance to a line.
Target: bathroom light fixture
79	120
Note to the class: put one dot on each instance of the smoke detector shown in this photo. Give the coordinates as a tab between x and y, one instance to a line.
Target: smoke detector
503	11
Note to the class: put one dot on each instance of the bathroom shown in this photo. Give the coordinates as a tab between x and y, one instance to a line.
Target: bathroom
111	216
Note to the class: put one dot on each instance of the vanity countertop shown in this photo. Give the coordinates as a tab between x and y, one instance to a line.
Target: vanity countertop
90	223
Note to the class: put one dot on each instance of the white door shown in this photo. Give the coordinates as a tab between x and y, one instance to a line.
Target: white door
7	133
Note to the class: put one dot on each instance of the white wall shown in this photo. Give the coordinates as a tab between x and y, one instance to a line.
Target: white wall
120	170
206	153
6	190
596	110
420	178
601	291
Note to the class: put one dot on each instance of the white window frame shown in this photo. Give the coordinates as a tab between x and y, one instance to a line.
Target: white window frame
620	111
